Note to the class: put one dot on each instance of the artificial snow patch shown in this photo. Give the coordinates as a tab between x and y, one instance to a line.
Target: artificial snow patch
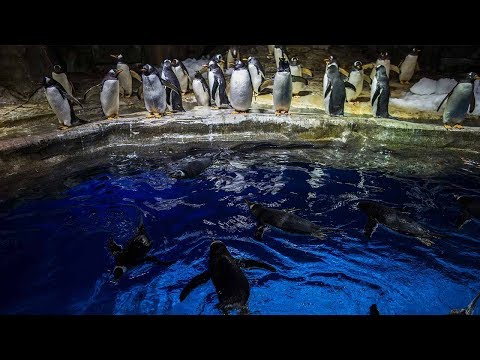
444	86
419	102
425	86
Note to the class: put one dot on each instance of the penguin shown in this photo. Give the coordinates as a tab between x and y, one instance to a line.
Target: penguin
232	55
460	100
408	66
356	78
110	93
331	60
257	73
217	85
383	59
335	94
218	58
470	209
182	75
61	103
270	49
241	89
283	220
191	169
280	51
125	77
380	93
174	99
396	220
134	253
201	90
59	75
154	93
296	69
231	284
282	88
469	310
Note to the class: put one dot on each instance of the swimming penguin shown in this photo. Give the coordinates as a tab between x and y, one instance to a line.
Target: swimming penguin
59	75
396	220
408	66
190	169
218	58
110	93
470	209
231	284
356	78
154	91
383	59
174	99
335	95
374	310
134	253
460	100
232	55
125	77
201	90
469	310
61	103
380	93
285	221
257	73
241	89
182	75
217	85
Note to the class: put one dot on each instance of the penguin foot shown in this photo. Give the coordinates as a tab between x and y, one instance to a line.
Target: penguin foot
157	115
111	117
215	108
149	116
239	112
448	127
277	113
62	127
168	112
404	82
296	96
458	126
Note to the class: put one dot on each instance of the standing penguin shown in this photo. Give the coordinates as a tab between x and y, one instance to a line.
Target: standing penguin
154	93
408	66
217	85
380	93
241	89
460	100
61	103
383	59
257	73
59	75
182	75
334	96
125	77
331	60
280	51
174	100
201	90
232	55
110	93
219	60
356	78
296	69
282	87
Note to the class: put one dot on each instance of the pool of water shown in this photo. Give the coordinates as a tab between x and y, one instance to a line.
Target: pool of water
54	260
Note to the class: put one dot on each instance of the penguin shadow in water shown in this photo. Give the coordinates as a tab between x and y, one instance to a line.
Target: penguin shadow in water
134	253
231	284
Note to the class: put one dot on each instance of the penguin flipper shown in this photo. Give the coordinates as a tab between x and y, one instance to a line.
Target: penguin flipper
73	100
268	82
395	68
299	79
377	94
184	69
135	75
113	246
307	72
343	71
169	85
214	88
195	282
400	65
259	231
472	102
368	66
250	263
463	218
445	98
329	88
222	88
350	86
71	85
370	227
94	87
367	79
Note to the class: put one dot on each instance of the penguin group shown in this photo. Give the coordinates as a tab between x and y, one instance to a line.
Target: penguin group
162	88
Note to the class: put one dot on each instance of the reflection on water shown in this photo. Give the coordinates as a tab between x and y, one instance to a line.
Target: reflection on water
54	259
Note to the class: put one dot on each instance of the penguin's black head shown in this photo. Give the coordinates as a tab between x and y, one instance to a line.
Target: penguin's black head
239	65
167	63
198	75
212	64
119	58
415	51
294	61
330	60
47	82
147	69
218	58
218	248
118	271
383	56
175	63
57	69
113	73
283	65
250	59
471	76
358	65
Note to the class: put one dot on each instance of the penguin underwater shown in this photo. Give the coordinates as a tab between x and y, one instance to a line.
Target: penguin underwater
231	284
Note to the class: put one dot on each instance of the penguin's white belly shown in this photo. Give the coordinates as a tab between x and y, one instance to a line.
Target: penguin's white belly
182	78
154	94
241	90
63	80
59	105
109	97
256	77
458	104
125	79
296	86
201	95
282	91
356	79
408	67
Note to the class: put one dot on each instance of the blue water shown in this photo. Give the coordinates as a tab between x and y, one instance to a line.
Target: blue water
53	258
